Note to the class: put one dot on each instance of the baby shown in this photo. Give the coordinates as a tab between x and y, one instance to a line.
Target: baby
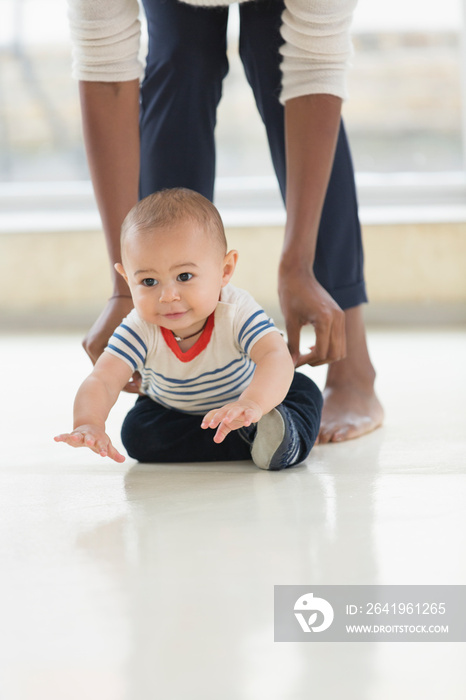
203	348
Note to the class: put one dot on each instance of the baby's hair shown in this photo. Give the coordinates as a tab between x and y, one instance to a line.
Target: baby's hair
166	208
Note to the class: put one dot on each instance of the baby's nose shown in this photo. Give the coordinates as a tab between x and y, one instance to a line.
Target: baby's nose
169	293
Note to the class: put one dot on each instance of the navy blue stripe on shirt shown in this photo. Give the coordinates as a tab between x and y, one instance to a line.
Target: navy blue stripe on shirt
231	388
194	381
221	399
191	404
247	323
130	346
136	336
257	330
234	383
123	354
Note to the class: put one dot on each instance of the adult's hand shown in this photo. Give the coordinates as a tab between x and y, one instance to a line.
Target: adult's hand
304	301
97	338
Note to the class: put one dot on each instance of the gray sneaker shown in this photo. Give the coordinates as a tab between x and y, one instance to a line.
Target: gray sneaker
276	442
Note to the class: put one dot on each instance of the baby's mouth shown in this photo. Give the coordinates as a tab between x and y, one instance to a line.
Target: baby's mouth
175	315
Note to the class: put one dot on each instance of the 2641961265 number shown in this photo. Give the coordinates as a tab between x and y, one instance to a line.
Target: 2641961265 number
405	608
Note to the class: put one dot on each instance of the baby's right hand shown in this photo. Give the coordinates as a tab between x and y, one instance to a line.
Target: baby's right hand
94	438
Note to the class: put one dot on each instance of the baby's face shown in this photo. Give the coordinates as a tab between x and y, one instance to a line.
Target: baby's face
175	275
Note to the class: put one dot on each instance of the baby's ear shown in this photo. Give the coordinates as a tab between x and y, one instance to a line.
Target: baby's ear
229	264
121	270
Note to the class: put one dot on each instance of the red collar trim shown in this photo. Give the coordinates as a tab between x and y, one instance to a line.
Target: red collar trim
200	344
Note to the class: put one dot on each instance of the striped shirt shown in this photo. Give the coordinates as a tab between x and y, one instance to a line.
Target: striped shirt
213	372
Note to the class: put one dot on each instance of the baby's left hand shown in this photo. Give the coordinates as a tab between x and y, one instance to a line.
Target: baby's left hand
234	415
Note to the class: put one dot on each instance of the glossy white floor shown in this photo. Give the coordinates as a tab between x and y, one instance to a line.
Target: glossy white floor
131	582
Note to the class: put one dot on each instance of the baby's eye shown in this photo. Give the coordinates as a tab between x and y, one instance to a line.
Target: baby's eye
149	282
184	277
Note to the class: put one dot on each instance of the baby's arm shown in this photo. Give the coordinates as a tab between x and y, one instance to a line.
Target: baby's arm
95	397
269	386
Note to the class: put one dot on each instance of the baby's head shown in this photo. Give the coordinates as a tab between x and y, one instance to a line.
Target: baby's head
175	259
166	209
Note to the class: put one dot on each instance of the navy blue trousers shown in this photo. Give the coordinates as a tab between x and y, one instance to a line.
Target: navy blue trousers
153	433
186	64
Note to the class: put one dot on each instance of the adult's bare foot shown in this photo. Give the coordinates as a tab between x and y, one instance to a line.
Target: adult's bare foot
351	407
348	413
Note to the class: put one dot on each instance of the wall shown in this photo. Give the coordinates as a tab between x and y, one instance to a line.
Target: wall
415	273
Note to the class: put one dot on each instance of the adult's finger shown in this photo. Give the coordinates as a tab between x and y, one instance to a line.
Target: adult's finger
134	384
293	334
323	329
330	343
337	344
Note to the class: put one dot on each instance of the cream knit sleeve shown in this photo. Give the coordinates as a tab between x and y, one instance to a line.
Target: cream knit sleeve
317	47
105	37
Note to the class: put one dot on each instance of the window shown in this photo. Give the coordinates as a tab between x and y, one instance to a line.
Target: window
405	108
40	130
404	116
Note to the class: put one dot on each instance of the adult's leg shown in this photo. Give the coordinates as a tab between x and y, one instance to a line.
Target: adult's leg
152	433
350	405
186	64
